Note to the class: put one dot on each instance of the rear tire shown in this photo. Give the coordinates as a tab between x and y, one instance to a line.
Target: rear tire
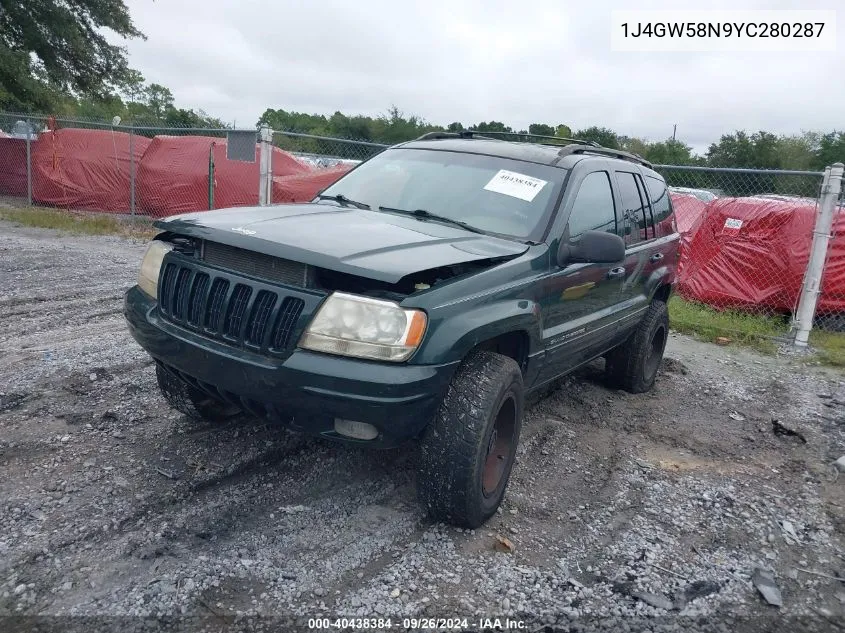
468	451
633	365
192	402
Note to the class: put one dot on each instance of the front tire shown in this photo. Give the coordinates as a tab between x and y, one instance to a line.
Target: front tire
468	450
633	365
192	402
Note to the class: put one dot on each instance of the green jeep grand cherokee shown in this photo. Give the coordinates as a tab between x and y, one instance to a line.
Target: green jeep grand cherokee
420	297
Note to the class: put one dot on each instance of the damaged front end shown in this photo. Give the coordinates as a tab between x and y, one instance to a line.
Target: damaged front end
280	270
410	284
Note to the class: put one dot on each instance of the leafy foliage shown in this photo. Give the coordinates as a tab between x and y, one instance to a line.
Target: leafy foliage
50	49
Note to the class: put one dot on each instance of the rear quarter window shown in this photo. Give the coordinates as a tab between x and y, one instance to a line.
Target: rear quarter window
661	206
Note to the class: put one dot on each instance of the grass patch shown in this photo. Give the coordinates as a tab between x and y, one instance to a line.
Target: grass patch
80	223
830	347
752	330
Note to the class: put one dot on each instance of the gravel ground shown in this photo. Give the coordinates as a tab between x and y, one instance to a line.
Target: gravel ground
624	512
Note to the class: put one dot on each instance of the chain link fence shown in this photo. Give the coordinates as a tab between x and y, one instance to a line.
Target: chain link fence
746	237
746	233
326	151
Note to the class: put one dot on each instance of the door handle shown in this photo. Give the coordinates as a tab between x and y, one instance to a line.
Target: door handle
613	273
656	257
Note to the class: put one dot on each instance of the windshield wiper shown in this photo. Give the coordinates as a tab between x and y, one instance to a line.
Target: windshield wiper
422	214
343	201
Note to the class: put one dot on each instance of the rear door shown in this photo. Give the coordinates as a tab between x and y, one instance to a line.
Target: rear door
580	302
642	257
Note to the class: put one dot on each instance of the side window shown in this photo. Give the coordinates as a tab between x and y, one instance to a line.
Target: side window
648	230
593	208
633	210
661	205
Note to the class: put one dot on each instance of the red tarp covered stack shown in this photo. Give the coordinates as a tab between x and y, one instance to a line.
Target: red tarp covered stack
689	214
83	169
12	166
752	253
304	187
173	176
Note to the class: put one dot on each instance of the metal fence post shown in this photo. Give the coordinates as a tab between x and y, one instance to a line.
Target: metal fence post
132	171
831	187
265	168
28	162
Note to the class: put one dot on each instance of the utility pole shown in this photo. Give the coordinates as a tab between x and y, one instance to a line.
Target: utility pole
674	130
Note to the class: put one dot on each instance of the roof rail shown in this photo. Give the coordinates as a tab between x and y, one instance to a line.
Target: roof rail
576	146
433	136
604	151
550	138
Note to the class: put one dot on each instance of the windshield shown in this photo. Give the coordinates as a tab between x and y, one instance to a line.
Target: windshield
496	195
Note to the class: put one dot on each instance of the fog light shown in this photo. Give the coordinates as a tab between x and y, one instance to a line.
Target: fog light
356	430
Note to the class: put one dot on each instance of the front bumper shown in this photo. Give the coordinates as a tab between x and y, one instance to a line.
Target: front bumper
307	390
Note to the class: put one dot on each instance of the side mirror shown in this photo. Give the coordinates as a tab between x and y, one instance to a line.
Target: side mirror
594	247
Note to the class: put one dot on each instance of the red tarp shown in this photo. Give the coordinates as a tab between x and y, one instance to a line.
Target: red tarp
173	175
84	169
689	214
12	166
304	187
752	253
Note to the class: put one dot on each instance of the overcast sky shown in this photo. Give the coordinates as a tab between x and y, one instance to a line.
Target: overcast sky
473	60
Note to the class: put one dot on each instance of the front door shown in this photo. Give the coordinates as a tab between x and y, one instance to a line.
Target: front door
580	301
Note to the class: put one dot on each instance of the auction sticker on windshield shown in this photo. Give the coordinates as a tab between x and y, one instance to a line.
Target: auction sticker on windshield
511	183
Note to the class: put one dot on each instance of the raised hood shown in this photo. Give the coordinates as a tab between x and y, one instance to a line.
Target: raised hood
371	244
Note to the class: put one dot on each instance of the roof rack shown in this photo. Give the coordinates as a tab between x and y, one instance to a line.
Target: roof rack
550	138
432	136
576	146
604	151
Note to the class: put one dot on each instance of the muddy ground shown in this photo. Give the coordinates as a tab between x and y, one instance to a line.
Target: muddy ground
625	512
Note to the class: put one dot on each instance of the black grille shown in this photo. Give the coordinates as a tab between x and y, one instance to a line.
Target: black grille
237	307
197	299
214	307
261	310
288	316
231	311
256	264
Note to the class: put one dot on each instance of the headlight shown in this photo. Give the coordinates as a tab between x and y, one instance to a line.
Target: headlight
350	325
151	266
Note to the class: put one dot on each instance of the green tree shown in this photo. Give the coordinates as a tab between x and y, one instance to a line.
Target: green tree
757	150
179	117
100	108
133	87
601	135
831	150
671	152
457	126
541	129
53	47
633	144
564	131
798	151
492	126
159	100
396	127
